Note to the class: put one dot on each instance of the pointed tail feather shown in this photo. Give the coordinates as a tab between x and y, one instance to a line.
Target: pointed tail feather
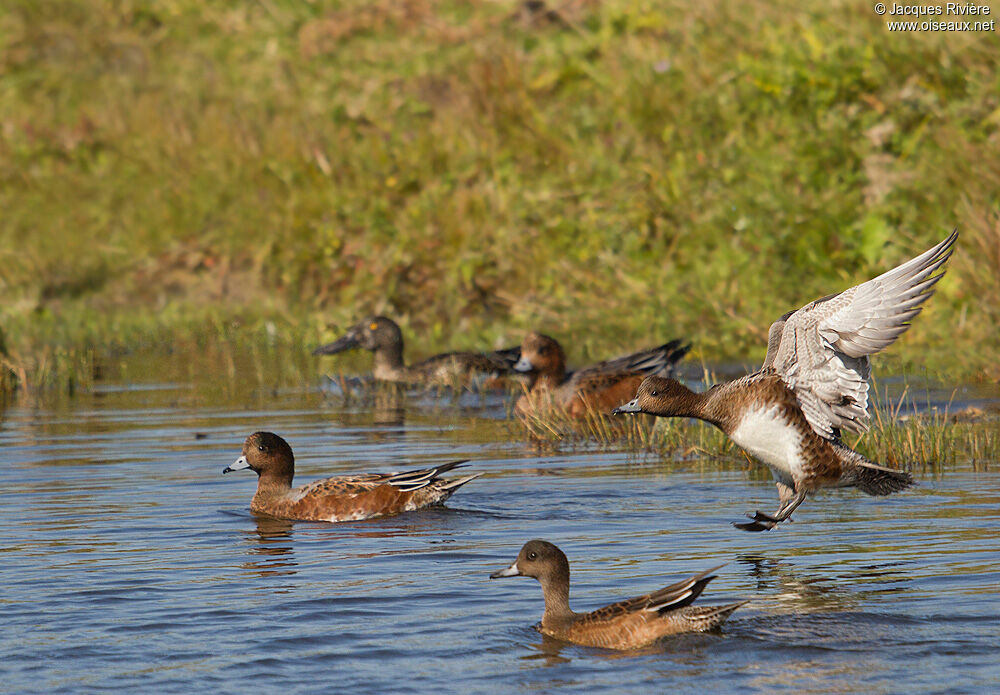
422	477
877	480
869	477
453	485
707	617
677	351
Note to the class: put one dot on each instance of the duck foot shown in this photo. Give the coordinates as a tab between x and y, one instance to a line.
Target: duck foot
755	525
761	521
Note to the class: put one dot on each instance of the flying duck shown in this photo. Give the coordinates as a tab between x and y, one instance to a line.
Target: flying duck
813	384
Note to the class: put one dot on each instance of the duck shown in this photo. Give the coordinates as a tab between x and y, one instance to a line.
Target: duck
813	385
596	388
340	498
630	624
384	339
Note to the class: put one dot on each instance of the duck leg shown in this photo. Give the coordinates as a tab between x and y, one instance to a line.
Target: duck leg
790	500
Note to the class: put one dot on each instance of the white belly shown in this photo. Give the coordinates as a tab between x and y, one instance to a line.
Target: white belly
766	435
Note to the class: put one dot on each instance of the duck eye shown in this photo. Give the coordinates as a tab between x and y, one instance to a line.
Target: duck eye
544	350
532	556
261	447
372	326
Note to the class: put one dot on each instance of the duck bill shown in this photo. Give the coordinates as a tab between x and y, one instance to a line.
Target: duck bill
345	342
511	571
523	365
630	407
237	465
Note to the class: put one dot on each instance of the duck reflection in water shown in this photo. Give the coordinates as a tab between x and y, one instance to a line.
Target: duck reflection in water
270	548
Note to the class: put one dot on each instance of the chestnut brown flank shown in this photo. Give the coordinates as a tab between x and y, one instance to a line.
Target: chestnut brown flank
342	498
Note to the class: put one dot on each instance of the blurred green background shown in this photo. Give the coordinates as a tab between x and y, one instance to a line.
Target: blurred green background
181	173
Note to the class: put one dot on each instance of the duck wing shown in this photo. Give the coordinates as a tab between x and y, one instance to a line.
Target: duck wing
351	485
668	598
496	362
821	351
421	477
655	361
343	485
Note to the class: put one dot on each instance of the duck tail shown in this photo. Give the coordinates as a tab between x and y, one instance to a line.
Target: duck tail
452	485
676	351
877	480
422	477
707	617
872	478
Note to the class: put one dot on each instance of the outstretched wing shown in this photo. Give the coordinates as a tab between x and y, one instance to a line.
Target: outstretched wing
821	351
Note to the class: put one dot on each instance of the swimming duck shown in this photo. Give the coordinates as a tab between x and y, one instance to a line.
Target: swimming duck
383	338
813	384
598	387
341	498
628	624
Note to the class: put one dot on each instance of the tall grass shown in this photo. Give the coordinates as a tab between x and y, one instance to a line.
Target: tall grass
614	172
904	433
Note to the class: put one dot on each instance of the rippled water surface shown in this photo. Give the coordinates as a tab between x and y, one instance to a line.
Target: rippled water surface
129	563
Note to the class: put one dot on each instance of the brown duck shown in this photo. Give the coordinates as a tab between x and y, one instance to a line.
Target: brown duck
341	498
628	624
383	338
813	384
597	388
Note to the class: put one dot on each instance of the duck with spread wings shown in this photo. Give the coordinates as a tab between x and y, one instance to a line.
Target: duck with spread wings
812	386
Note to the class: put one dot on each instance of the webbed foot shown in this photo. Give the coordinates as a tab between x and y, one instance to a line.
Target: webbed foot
755	525
761	521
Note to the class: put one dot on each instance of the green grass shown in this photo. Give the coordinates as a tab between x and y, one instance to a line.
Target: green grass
617	174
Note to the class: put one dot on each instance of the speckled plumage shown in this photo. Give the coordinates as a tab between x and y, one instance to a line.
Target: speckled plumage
628	624
340	498
383	338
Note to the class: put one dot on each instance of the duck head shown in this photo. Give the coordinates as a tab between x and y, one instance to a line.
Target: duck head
374	333
267	455
658	395
541	356
539	559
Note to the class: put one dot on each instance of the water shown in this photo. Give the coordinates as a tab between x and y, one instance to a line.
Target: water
130	564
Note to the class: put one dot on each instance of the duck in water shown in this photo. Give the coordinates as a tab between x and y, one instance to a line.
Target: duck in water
628	624
383	338
596	388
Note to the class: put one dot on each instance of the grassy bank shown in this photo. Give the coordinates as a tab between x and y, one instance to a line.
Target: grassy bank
614	173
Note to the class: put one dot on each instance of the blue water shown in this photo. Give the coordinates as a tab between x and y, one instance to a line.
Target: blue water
130	564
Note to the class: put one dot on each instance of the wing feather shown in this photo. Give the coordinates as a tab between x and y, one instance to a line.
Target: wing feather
821	351
658	361
671	597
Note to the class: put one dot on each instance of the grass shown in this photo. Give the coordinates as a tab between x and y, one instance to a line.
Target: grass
613	173
927	440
